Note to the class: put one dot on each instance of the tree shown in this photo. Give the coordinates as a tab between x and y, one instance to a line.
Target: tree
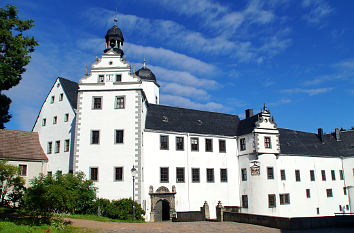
12	184
15	48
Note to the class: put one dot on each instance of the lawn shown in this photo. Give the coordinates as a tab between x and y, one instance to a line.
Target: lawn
99	218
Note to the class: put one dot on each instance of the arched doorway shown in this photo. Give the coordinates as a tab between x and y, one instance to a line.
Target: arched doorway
162	211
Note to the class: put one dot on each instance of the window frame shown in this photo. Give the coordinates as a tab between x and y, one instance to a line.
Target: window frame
91	174
297	175
61	96
270	173
223	175
312	175
180	171
195	179
323	174
243	174
243	146
100	78
164	145
329	193
196	139
308	193
208	145
92	141
341	175
272	201
52	99
50	148
57	147
44	121
222	146
116	138
94	104
120	78
23	169
282	174
178	144
164	179
66	145
284	199
119	102
66	117
210	175
55	120
267	142
333	175
244	201
115	174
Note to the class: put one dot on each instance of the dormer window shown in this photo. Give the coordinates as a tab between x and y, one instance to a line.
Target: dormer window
101	78
118	77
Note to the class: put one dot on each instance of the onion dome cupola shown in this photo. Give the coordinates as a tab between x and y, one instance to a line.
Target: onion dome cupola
145	73
115	39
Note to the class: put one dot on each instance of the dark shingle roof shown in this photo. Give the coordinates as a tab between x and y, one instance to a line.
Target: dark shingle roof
304	143
17	145
70	88
345	146
166	118
247	125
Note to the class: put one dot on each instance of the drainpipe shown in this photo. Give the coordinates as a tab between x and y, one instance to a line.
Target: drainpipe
347	190
188	168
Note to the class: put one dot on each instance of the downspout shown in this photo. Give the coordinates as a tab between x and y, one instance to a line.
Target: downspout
345	186
188	168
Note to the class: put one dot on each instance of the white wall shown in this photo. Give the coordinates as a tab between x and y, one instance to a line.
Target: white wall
34	169
60	131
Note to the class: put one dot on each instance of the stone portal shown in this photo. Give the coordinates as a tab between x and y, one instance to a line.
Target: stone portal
162	204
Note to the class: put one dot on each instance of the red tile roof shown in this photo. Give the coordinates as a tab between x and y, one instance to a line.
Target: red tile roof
16	144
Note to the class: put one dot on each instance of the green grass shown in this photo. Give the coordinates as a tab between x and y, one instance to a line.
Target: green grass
99	218
10	227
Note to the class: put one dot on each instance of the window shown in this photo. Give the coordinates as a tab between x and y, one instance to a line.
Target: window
97	103
340	207
66	145
222	146
94	173
101	78
55	119
179	143
333	175
312	175
118	174
341	175
95	137
244	174
194	144
44	122
270	173
57	146
244	201
323	173
119	136
66	117
271	201
318	210
49	149
118	77
223	175
50	174
297	176
164	174
180	174
242	144
163	142
210	175
208	145
61	97
282	175
195	175
23	169
120	102
59	173
52	99
345	190
308	193
267	142
329	192
284	198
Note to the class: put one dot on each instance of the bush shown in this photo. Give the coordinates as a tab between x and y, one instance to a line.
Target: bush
121	209
65	193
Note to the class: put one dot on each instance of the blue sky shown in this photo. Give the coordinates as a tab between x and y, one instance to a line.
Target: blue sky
295	56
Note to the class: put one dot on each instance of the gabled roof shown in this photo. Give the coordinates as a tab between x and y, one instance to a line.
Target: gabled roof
345	146
294	142
174	119
247	125
20	145
70	88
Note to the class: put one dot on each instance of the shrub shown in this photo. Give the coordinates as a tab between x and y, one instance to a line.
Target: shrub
119	209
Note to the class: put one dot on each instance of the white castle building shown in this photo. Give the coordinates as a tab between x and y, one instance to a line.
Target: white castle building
111	121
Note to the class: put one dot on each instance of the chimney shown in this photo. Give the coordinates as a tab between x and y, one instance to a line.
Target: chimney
320	134
337	134
249	113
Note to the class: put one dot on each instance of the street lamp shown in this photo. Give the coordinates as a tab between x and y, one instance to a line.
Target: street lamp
134	173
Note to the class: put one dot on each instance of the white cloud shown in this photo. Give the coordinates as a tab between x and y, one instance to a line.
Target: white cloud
280	102
319	9
310	92
187	103
181	90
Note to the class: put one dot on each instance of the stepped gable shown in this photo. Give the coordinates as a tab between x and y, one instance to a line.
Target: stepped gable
20	145
175	119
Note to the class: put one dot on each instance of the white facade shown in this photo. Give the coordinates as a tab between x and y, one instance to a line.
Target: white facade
33	168
111	136
55	125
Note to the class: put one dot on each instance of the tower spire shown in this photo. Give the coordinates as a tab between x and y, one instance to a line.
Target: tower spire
116	18
86	73
144	62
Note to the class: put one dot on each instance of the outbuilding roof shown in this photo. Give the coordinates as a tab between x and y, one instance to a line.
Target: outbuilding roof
70	88
20	145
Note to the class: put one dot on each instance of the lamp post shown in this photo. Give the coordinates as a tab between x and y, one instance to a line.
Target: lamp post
134	173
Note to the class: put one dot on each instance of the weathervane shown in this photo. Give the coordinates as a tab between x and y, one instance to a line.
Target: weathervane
116	18
144	62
